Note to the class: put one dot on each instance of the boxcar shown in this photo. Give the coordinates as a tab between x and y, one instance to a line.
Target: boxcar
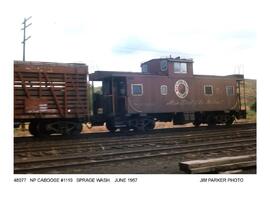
51	96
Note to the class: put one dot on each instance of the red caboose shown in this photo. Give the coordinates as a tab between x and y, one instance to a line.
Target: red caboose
166	90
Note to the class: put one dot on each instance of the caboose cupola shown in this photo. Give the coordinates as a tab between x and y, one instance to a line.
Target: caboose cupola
173	67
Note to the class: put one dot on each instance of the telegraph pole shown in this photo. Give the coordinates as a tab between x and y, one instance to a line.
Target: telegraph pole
24	32
23	42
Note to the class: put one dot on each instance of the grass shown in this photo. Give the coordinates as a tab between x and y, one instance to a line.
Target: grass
251	95
251	115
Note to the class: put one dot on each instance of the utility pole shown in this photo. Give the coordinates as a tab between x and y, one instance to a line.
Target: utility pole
24	32
23	42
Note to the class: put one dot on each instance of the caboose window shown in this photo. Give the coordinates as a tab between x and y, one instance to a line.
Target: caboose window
163	65
208	89
145	68
229	91
180	67
163	90
137	89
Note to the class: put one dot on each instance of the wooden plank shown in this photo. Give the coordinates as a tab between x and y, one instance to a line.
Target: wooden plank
225	167
218	164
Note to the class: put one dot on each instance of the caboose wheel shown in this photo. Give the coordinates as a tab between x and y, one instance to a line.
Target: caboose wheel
196	123
211	121
142	124
150	125
230	120
211	124
110	126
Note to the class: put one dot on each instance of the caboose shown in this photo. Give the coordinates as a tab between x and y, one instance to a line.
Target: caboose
165	90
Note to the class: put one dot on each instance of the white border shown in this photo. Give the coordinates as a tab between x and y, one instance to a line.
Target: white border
208	85
138	84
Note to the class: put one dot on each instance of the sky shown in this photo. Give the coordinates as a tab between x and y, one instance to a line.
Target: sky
220	36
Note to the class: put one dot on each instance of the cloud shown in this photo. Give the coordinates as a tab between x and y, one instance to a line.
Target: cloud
131	45
241	34
135	45
239	39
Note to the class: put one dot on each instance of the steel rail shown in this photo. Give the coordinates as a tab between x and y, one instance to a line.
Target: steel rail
39	164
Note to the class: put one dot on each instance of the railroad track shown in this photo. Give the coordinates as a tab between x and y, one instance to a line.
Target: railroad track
106	135
61	147
49	156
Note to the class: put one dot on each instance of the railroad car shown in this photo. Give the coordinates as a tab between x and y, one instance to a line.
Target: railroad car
54	97
51	96
166	90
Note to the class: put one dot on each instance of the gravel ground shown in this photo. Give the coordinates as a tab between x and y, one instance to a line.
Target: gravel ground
158	165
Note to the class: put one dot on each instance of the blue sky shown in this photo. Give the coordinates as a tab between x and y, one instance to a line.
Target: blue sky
119	35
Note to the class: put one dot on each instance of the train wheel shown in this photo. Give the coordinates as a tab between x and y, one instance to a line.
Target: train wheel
77	129
65	127
142	124
196	123
70	128
33	128
211	124
211	121
110	126
150	124
42	129
38	129
229	121
124	129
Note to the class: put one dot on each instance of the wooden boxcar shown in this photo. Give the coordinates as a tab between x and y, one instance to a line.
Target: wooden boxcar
166	90
51	96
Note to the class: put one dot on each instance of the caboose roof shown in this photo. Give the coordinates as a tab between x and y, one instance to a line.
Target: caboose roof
101	75
177	59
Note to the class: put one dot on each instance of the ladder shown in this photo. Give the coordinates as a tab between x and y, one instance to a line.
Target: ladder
241	94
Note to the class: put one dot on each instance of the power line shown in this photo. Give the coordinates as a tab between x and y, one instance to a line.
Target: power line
24	33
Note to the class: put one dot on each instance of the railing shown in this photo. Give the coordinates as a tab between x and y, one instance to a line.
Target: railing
241	93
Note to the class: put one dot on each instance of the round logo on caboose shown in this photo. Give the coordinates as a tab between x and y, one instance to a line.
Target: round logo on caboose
181	88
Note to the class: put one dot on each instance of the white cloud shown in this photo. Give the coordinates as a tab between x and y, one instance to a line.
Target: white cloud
217	34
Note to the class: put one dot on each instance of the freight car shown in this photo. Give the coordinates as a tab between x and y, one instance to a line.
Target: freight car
166	90
54	97
51	96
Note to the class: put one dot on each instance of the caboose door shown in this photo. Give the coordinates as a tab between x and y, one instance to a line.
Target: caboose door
114	96
119	86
